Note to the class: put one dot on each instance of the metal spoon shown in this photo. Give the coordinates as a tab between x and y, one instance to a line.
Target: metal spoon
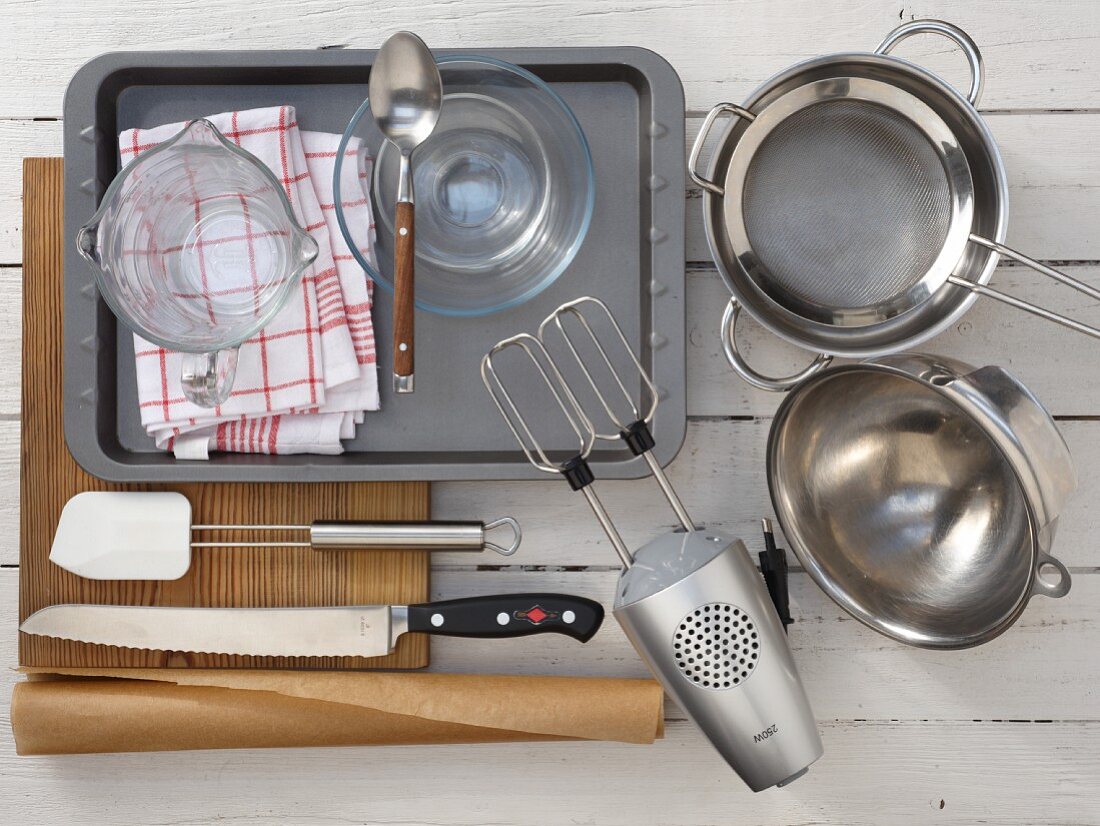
406	94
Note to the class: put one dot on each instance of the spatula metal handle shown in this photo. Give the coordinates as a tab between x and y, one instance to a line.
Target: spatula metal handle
509	615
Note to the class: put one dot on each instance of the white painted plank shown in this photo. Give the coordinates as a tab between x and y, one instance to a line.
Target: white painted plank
1050	360
720	476
1002	774
1053	170
1055	363
719	473
1034	671
1037	55
11	341
20	139
1037	670
872	772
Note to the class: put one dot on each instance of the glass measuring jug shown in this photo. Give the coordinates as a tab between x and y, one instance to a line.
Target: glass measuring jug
195	248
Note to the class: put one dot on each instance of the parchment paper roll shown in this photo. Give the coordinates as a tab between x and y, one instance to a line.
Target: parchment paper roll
83	711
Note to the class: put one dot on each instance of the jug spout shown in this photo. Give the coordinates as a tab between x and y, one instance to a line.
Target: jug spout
305	248
201	132
87	242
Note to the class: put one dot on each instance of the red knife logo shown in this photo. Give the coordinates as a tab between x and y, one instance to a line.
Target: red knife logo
536	615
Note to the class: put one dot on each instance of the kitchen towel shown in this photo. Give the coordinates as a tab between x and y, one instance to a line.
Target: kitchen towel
82	711
303	382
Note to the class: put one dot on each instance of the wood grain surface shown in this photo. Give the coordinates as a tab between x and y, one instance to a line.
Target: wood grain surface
404	295
235	577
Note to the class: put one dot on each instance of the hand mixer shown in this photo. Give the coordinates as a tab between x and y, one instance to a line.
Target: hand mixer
691	601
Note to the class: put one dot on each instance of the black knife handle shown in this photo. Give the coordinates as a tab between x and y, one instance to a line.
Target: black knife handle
509	615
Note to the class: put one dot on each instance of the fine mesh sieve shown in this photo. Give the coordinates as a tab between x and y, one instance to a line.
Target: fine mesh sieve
847	204
849	201
858	200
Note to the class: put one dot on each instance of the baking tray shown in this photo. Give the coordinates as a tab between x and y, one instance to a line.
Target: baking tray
629	102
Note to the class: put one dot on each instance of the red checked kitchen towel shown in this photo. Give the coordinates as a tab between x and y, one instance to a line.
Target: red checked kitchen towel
304	381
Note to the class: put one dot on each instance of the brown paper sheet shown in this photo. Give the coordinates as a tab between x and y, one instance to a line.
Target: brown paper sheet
90	710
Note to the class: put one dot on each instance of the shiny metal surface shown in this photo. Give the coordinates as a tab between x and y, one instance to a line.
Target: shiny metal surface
363	630
922	495
990	209
962	40
413	536
402	536
691	601
406	95
574	416
747	371
848	201
761	722
858	191
642	412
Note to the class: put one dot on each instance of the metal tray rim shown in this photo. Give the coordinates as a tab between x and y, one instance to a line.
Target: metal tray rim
82	426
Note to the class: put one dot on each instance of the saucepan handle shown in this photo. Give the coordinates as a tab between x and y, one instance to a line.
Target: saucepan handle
954	33
737	361
1056	589
1027	306
701	138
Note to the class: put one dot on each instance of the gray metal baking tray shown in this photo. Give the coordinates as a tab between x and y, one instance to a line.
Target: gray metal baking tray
629	102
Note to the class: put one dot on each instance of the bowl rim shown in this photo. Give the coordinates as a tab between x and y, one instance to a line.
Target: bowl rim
564	259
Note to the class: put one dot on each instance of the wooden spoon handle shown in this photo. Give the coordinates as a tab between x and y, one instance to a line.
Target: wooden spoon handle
403	299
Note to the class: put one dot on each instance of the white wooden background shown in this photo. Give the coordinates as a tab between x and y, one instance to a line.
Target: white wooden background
1008	733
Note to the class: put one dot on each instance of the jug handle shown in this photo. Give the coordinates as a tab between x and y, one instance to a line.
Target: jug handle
738	363
207	378
1054	590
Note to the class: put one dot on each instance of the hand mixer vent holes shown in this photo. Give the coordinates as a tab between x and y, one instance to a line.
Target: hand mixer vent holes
716	646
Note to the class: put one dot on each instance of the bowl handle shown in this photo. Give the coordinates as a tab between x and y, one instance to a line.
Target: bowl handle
1049	589
737	361
961	38
701	138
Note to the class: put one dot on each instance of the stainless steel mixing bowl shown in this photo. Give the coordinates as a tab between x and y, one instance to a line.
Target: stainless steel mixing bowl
922	495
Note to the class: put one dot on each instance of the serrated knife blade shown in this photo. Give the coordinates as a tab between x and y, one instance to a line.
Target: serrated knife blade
357	631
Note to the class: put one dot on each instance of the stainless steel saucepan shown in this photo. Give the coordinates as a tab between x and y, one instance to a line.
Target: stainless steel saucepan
922	495
857	206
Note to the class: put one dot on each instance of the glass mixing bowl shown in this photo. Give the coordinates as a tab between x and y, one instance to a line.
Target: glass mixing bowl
504	191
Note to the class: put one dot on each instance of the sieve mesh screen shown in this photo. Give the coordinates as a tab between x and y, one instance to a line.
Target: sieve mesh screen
846	204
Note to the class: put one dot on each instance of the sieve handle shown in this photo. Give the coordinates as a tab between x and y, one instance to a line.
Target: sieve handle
701	138
737	361
1027	306
953	33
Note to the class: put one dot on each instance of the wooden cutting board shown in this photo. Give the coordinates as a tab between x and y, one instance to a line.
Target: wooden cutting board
250	577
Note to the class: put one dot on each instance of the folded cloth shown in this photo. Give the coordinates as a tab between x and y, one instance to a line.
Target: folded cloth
316	359
321	149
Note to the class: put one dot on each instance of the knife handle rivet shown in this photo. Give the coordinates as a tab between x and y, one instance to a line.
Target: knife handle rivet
437	620
568	617
502	618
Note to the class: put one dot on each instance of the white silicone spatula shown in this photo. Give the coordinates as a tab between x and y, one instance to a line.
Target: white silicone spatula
116	535
139	535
